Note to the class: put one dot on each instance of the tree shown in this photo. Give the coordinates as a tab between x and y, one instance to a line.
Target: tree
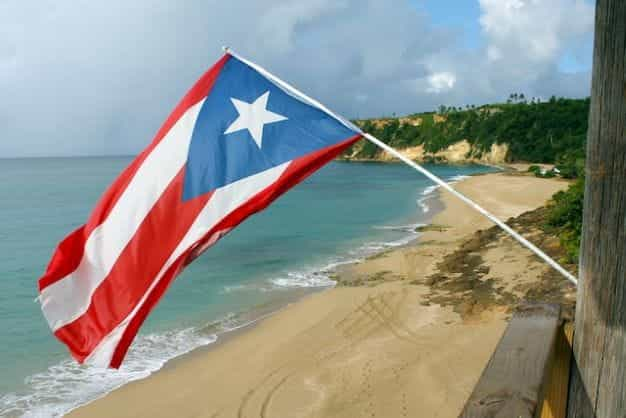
540	133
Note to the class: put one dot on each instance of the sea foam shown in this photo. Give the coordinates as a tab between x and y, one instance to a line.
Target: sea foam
67	385
321	276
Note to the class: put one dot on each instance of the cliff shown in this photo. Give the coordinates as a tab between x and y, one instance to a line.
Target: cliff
458	153
535	132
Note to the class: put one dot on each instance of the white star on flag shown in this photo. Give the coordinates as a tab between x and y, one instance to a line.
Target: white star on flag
253	116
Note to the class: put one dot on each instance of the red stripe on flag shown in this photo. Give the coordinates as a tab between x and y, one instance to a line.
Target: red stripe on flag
69	252
297	171
135	269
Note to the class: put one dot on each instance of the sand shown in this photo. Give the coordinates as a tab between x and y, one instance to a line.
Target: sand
404	334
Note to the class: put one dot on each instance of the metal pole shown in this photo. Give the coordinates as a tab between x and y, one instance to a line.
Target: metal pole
474	205
409	162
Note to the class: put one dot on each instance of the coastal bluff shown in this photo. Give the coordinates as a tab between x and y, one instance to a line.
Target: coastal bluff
461	152
536	131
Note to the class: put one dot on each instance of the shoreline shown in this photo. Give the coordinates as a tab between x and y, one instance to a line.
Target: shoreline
257	315
296	294
162	347
390	294
292	295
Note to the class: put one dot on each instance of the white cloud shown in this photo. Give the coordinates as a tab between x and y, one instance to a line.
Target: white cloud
99	78
439	82
524	44
533	30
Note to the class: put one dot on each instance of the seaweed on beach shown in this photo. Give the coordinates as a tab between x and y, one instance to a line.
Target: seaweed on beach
432	227
365	280
460	279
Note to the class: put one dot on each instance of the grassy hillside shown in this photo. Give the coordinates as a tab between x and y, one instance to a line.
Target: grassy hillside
541	132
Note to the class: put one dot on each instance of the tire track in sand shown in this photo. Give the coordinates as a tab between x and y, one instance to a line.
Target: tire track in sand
271	393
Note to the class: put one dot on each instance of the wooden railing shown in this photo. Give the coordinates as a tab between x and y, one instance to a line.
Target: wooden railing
528	373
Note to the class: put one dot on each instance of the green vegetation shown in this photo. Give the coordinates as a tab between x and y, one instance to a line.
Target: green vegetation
551	132
566	217
571	163
543	173
541	132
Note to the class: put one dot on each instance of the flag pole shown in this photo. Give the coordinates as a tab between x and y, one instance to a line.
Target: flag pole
474	205
415	166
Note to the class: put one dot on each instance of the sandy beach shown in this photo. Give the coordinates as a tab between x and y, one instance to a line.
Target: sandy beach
405	333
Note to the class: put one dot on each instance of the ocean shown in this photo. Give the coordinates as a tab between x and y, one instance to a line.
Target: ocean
343	213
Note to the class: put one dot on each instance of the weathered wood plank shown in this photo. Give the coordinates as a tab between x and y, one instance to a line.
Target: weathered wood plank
599	372
555	399
512	383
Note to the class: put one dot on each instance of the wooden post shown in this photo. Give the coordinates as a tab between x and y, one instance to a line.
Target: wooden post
514	381
599	369
555	399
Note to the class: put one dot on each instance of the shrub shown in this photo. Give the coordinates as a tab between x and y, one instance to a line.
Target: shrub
566	214
571	164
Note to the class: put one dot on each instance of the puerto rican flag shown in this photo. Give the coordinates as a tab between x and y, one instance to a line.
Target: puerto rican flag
238	140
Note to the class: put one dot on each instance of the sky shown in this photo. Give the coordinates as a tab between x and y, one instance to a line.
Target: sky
99	78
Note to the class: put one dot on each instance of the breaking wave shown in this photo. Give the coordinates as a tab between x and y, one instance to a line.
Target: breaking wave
67	385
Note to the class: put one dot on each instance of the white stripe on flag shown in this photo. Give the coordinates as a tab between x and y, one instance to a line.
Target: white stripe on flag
67	299
224	201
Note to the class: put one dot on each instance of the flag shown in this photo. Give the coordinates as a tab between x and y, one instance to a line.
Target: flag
238	140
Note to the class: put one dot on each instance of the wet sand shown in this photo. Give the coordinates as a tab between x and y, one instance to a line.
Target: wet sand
405	333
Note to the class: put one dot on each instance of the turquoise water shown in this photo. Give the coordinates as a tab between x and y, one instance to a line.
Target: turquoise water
344	212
